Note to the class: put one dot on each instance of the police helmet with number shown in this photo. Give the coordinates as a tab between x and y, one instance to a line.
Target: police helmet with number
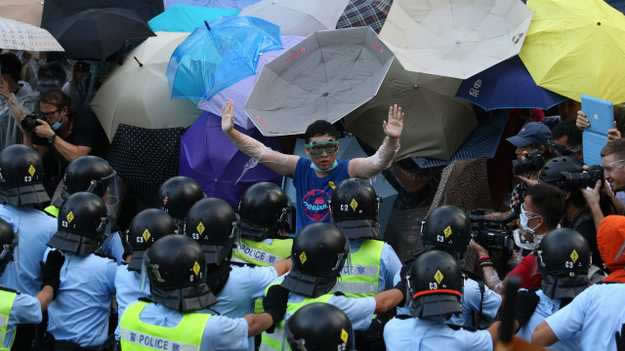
81	224
8	240
178	194
146	228
435	286
21	177
88	173
448	228
355	208
319	253
564	258
264	212
176	270
319	327
211	222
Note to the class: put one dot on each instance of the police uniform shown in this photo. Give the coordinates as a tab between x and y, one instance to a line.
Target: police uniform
16	309
319	326
8	240
261	253
130	286
244	285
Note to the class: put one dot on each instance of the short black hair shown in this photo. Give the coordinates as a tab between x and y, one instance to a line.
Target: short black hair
11	65
321	127
569	129
57	98
549	202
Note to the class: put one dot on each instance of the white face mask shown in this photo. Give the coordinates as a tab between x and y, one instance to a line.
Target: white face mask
524	221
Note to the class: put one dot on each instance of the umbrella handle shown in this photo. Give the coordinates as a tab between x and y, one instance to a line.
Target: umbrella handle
207	25
139	62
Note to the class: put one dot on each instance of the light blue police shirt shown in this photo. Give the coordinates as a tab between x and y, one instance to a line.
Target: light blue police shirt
545	308
34	229
80	311
360	311
594	315
26	310
129	287
112	246
422	335
220	333
244	285
8	278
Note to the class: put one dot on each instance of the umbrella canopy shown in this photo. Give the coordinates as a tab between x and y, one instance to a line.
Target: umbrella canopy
137	92
617	4
298	17
360	13
436	123
238	4
507	85
99	33
349	148
208	156
455	38
15	35
27	11
589	37
186	18
326	76
240	91
218	55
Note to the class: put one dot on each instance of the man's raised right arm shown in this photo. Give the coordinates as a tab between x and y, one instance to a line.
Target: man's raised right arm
278	162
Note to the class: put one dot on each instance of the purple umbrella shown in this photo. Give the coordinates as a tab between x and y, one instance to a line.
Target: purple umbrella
208	156
239	4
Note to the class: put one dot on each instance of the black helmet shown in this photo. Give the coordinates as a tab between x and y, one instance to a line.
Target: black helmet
448	229
552	171
435	285
21	177
146	228
8	240
355	208
211	223
564	258
175	267
81	224
319	327
264	212
88	173
319	253
178	194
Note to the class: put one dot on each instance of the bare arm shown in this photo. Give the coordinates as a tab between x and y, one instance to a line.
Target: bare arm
257	323
67	150
491	277
388	299
45	296
543	335
283	266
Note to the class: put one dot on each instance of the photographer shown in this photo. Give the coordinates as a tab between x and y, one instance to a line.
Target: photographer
541	211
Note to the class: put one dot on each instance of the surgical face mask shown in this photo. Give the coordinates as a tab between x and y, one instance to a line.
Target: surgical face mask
317	169
56	125
524	219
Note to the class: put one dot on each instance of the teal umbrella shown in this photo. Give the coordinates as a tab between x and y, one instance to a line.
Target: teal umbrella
186	18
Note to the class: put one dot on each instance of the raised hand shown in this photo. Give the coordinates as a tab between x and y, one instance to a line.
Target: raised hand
227	117
395	123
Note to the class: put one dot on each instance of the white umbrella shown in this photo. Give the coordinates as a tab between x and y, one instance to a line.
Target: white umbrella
298	17
27	11
16	35
455	38
137	93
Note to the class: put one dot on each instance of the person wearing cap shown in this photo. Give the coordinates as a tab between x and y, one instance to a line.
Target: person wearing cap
597	314
534	136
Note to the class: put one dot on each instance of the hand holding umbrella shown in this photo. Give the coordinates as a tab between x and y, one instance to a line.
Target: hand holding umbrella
395	123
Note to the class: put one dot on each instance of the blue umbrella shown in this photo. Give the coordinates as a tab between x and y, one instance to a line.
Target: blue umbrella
239	4
617	4
218	55
507	85
185	18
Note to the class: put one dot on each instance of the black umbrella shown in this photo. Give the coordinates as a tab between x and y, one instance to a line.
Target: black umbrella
58	10
99	33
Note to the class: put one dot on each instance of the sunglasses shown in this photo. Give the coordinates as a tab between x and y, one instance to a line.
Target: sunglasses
318	149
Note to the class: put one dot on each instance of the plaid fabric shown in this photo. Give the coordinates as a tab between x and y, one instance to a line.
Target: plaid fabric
360	13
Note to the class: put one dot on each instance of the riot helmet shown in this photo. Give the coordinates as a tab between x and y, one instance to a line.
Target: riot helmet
553	171
264	212
21	177
177	195
319	253
319	327
145	229
211	222
176	269
81	224
448	229
355	208
8	241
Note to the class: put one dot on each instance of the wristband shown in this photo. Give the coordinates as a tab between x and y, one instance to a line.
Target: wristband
484	258
487	264
51	139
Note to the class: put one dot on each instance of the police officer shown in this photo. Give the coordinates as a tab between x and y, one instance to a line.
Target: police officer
21	194
78	318
264	215
181	301
564	258
434	284
319	254
95	175
177	195
319	327
449	229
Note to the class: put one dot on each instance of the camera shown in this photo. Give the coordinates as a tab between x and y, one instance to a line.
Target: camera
534	162
492	234
584	178
29	123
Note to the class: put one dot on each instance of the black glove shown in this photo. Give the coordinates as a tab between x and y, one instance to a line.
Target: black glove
620	339
51	270
275	303
526	305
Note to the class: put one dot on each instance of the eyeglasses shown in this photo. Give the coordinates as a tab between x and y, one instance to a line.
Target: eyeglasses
318	149
613	164
48	114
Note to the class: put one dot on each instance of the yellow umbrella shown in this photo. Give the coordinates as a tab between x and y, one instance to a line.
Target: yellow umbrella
577	47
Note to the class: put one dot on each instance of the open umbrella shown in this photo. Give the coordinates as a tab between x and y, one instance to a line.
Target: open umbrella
507	85
617	4
15	35
208	156
298	17
455	38
240	91
590	51
218	55
360	13
27	11
186	18
325	77
99	33
436	123
137	92
238	4
349	148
